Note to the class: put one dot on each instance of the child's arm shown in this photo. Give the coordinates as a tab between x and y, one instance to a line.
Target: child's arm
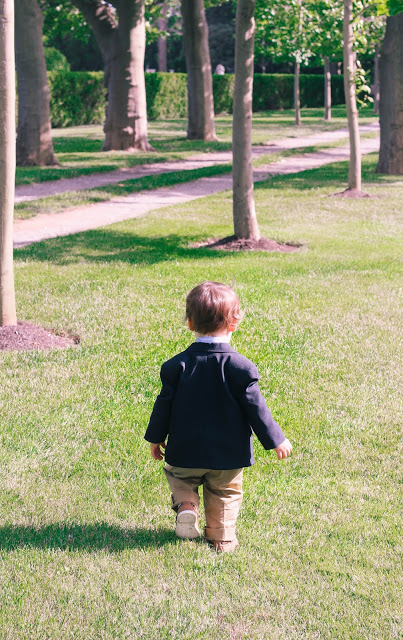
158	425
258	414
156	450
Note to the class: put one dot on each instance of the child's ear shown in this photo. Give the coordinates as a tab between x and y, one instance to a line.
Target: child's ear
190	324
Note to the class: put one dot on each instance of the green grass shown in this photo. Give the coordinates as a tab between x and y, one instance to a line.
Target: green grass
54	204
78	149
87	549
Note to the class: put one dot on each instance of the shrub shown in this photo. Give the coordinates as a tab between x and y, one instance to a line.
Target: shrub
77	97
80	97
166	95
55	60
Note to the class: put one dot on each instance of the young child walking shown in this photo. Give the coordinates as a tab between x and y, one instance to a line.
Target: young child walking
208	407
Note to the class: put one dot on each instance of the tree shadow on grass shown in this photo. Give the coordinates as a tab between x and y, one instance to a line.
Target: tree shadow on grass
99	536
334	175
108	245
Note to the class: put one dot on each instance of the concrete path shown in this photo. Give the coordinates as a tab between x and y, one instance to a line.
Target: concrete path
51	225
23	193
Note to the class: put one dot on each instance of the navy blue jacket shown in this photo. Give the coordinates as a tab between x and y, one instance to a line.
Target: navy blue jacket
209	403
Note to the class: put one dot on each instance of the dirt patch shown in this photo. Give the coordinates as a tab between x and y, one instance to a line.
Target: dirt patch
26	337
232	243
351	193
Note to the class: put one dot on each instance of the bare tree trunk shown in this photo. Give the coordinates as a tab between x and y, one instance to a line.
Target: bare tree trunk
376	80
391	98
244	213
162	40
328	90
8	315
199	79
122	43
34	136
354	172
126	125
297	104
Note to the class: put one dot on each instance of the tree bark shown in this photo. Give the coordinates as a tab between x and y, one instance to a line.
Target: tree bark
391	98
122	43
354	172
8	315
162	40
376	80
244	213
297	104
34	136
328	90
199	79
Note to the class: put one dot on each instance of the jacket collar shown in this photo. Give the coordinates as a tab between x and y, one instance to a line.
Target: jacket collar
211	347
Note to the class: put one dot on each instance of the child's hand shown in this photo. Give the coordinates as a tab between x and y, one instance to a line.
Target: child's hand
156	450
284	449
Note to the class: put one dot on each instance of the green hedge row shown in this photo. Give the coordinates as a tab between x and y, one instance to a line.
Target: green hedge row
79	97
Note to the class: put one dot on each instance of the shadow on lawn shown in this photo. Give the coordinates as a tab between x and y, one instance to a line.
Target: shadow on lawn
83	537
108	245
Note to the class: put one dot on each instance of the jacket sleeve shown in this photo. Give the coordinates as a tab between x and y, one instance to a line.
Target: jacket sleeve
158	426
256	410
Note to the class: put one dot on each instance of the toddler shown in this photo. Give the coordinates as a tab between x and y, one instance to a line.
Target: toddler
209	406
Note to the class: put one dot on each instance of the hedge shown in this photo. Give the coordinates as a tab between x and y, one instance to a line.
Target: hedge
79	97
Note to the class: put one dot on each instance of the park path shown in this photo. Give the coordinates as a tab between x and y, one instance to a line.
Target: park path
26	192
52	225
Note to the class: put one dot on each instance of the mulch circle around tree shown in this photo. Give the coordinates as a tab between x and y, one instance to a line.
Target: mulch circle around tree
27	337
232	243
351	193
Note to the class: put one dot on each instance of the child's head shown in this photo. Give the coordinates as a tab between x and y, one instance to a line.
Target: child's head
212	307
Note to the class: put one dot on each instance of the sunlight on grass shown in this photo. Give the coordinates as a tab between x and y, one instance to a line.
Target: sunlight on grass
87	548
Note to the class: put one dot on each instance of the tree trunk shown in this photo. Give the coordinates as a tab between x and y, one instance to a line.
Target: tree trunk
391	98
297	105
376	80
199	79
245	222
122	43
126	115
34	137
328	90
354	172
162	40
8	315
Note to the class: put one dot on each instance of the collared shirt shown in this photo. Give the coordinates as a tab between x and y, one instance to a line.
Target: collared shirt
214	339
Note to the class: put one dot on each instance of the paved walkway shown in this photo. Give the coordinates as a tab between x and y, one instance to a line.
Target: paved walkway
34	191
44	226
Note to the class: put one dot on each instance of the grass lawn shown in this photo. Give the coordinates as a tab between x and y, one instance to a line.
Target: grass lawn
79	148
87	549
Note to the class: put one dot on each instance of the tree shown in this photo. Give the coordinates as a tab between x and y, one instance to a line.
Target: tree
285	32
66	29
120	33
162	39
349	61
34	137
244	213
391	95
199	79
8	315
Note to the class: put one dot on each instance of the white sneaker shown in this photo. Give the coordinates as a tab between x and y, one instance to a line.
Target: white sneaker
187	524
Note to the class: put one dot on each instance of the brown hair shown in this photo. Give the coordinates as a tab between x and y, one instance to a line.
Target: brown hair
212	306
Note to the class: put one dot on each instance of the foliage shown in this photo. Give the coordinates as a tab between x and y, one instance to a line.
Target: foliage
79	97
55	60
284	30
76	97
166	95
65	29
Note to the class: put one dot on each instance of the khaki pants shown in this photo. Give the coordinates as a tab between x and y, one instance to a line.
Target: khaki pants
222	493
